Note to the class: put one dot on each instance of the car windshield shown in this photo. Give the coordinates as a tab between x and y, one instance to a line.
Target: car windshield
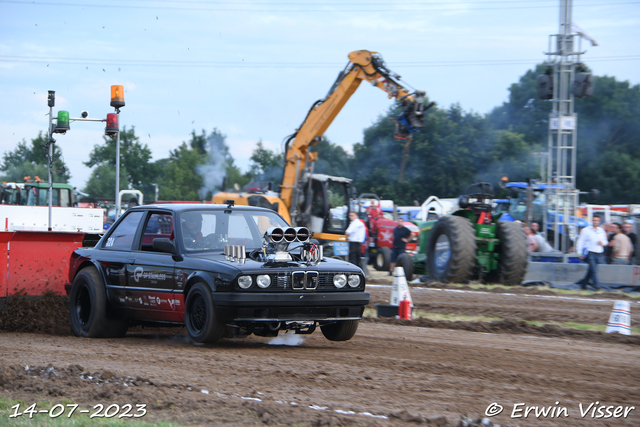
204	230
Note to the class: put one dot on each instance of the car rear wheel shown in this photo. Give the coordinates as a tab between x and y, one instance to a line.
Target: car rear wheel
200	317
88	308
342	330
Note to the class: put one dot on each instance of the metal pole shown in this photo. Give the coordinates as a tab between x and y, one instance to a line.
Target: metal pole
50	161
117	213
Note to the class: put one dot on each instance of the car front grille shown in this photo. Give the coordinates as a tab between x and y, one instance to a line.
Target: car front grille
305	280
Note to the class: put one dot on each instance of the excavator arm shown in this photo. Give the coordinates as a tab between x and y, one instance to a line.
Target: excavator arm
363	65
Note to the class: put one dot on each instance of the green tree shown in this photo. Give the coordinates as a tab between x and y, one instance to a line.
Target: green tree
266	165
135	158
608	135
197	168
453	150
524	112
332	159
102	181
33	160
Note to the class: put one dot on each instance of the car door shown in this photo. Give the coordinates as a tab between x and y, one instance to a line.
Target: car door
151	274
114	253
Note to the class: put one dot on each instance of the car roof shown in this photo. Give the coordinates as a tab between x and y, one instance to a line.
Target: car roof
180	207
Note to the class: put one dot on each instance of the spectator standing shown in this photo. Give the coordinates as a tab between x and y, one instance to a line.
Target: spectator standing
536	228
621	247
608	228
401	235
590	247
626	229
356	234
543	245
532	244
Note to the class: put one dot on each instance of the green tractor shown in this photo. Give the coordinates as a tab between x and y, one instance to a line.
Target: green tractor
472	244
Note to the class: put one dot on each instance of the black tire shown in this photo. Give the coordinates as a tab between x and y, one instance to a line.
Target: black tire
342	330
382	260
88	308
200	316
513	254
406	261
451	250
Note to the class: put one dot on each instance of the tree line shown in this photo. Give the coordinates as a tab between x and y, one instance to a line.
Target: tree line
454	149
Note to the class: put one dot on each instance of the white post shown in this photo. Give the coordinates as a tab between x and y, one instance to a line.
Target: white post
50	143
117	213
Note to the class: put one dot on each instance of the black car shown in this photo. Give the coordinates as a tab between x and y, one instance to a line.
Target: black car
221	270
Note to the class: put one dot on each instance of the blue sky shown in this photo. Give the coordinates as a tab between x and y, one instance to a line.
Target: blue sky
252	69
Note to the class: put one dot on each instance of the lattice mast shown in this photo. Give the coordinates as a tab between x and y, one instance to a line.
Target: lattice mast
563	58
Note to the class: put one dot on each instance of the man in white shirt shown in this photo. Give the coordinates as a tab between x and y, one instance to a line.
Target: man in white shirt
590	247
355	235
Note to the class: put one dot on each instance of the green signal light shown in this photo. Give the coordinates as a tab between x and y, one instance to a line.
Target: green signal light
63	122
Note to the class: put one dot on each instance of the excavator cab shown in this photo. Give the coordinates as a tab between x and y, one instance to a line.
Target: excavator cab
325	205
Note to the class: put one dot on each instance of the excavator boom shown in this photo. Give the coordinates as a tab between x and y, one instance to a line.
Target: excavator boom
363	65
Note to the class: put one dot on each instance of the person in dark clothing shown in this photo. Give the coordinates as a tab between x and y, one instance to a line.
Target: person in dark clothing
626	229
401	235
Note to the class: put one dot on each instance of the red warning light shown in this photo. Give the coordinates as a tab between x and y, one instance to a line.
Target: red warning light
112	124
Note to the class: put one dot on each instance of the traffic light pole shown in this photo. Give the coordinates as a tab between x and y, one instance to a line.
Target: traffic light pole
117	212
51	101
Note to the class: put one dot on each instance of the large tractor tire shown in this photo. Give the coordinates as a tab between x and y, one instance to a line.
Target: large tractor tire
513	254
406	262
342	330
200	317
88	308
383	259
451	250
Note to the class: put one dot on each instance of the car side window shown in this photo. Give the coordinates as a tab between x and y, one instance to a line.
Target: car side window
159	225
121	238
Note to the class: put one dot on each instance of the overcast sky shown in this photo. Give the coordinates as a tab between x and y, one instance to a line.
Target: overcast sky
252	69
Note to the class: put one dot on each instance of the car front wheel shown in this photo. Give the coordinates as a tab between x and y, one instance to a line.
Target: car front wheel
342	330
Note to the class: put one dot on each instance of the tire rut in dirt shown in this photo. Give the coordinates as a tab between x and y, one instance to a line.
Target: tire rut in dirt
457	264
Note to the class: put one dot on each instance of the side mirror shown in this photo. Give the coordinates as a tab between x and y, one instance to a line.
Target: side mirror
164	245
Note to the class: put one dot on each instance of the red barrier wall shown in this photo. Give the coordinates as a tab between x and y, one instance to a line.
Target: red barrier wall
33	262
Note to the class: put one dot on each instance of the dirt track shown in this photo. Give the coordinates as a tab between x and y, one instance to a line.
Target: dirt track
390	373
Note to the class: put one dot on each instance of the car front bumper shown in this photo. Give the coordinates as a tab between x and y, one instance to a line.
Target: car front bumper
298	306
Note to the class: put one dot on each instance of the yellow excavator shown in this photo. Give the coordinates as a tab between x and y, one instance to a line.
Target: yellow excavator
322	202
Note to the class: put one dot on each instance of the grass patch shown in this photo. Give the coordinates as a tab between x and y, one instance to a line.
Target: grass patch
7	409
490	286
370	312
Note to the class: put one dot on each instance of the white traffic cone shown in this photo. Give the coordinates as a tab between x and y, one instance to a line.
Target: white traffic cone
400	288
620	319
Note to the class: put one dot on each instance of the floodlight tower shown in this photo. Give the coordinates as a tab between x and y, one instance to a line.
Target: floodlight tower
565	79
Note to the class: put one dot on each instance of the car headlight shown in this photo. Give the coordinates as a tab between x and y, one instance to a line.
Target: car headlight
245	282
354	280
263	280
339	280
